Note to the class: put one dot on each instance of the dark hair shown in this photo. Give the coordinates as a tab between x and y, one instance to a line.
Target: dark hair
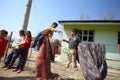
2	31
22	31
54	23
74	30
6	32
30	34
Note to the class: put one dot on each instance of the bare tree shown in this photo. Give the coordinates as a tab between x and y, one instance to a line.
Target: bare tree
87	17
84	17
101	17
110	15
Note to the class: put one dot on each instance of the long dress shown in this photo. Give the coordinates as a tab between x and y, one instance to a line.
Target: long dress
42	70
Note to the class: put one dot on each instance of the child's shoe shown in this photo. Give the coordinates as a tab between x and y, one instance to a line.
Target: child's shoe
15	70
19	71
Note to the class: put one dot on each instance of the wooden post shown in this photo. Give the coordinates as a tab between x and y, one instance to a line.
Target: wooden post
8	46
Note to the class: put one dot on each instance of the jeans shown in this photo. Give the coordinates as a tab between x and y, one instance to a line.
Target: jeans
12	57
22	58
39	39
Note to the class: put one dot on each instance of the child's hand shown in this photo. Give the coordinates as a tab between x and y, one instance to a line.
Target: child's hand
59	31
64	40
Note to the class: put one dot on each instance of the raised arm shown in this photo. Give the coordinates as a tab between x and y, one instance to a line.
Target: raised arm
65	40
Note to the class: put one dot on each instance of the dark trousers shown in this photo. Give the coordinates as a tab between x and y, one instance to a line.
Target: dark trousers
22	58
12	57
38	39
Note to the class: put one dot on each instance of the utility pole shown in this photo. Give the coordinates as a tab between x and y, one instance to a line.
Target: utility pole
27	14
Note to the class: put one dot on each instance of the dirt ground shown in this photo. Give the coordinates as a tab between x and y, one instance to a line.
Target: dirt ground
58	68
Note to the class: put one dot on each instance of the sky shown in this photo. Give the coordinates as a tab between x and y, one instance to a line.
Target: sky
44	12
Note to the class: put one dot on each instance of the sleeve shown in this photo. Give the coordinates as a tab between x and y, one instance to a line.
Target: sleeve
78	40
14	43
25	42
69	39
0	48
3	48
29	40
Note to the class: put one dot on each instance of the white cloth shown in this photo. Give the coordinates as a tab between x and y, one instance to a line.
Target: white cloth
17	41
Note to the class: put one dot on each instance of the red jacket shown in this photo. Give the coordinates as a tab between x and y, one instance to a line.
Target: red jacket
26	43
3	44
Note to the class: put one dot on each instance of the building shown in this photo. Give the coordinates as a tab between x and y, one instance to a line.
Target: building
99	31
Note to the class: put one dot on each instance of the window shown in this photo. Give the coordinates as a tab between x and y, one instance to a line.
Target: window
119	37
86	35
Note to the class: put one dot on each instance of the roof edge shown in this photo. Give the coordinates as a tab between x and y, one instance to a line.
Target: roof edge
78	21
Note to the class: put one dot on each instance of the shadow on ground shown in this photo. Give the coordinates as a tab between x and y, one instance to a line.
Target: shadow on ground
17	78
68	79
27	78
56	77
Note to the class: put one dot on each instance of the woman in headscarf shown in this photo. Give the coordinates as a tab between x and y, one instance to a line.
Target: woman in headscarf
42	69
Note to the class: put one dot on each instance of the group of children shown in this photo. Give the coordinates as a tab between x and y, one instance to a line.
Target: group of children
20	48
21	45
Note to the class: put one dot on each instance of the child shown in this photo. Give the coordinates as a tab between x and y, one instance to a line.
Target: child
40	35
3	42
72	52
15	51
24	46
